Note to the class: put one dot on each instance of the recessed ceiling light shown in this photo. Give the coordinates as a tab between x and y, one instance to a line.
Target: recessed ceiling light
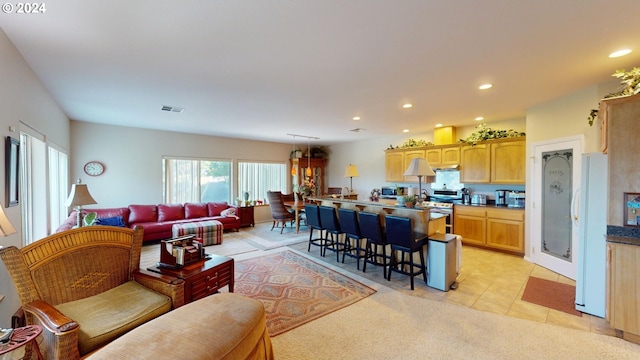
485	86
438	125
619	53
405	130
479	118
356	118
407	106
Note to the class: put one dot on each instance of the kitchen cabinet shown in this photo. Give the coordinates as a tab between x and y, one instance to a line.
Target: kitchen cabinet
408	156
490	227
470	223
494	162
443	156
508	162
475	166
623	309
317	173
505	229
394	162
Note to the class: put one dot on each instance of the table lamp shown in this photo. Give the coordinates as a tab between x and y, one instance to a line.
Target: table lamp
419	167
78	197
350	172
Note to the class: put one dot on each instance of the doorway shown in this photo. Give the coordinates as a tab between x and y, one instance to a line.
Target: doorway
556	176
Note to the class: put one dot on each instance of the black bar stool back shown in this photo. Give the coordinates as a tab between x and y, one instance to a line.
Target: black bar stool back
331	225
353	239
314	223
402	239
371	229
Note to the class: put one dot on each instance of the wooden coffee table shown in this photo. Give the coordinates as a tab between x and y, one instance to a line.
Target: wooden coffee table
202	278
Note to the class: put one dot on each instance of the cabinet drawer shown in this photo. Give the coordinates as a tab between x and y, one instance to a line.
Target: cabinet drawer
515	215
470	211
209	283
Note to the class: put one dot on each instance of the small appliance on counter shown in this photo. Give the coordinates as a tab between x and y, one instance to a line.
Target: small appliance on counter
501	197
516	199
478	199
466	196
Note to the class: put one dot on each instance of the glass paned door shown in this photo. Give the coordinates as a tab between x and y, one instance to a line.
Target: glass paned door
557	187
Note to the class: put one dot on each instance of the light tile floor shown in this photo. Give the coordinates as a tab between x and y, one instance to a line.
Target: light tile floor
488	281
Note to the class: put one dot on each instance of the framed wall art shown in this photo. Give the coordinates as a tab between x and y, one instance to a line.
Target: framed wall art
631	209
12	156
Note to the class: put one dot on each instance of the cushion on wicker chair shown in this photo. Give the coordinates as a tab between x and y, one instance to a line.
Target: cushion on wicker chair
102	317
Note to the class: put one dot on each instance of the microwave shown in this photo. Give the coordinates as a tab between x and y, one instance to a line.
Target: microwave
390	191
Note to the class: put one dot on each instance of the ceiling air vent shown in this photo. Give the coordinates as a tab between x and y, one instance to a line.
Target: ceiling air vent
175	109
357	130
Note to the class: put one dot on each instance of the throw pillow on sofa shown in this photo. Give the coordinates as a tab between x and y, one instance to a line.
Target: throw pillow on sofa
230	212
215	208
111	221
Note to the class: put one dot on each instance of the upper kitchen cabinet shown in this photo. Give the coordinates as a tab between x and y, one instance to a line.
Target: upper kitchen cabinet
496	162
508	162
443	156
475	164
394	162
408	156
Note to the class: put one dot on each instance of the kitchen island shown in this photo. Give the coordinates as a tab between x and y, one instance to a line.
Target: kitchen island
423	220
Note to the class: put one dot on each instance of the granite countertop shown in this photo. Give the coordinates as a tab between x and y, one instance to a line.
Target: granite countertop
623	235
491	205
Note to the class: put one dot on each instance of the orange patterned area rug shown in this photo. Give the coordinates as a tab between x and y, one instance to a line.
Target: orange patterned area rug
551	294
294	289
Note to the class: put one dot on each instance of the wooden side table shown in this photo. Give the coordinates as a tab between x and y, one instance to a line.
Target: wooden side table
22	336
246	216
202	278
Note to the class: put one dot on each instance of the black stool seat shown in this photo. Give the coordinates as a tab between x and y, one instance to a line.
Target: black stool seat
403	239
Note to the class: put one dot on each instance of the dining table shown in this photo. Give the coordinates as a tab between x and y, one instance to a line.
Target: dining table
298	207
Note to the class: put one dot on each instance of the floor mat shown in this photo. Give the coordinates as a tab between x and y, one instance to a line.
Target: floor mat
551	294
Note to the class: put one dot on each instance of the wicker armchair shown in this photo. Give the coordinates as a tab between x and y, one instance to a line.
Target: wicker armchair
85	288
279	212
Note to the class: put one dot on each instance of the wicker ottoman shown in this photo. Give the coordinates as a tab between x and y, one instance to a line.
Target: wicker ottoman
210	231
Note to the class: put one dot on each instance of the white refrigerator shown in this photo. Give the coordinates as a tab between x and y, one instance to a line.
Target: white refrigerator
592	230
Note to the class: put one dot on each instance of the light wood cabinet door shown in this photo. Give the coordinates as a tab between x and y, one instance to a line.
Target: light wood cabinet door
450	155
394	162
434	157
475	164
505	234
508	162
473	229
624	289
408	156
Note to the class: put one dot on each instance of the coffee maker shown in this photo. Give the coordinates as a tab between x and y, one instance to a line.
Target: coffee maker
501	197
466	196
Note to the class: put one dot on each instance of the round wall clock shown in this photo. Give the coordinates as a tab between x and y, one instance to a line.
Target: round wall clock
94	168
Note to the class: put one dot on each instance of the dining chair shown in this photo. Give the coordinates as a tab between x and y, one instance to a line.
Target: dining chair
404	240
279	212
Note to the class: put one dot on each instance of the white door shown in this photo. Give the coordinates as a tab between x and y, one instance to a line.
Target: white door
556	176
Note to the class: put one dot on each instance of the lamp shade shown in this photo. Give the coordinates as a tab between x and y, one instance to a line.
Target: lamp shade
79	195
5	225
351	171
419	167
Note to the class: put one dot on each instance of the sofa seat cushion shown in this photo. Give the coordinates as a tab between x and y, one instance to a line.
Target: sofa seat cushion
223	326
108	315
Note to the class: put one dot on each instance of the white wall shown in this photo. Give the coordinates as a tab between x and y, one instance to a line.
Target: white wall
23	100
133	159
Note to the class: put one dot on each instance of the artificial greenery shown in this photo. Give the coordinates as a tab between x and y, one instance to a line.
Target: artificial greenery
630	85
410	143
484	132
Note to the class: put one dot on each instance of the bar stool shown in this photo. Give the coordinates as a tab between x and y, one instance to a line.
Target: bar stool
403	239
331	226
351	227
371	229
314	223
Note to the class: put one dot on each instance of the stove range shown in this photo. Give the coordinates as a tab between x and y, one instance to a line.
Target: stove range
436	204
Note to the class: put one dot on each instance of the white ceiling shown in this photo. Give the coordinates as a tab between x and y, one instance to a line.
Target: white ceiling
261	69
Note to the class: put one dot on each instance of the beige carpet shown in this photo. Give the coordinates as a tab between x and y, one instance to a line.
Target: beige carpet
390	325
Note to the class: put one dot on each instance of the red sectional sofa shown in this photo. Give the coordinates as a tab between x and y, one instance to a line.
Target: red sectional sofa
157	220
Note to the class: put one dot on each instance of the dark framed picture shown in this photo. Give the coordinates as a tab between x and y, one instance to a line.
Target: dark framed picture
632	209
11	163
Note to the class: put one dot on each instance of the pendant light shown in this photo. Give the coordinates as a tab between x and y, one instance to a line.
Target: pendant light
309	157
294	171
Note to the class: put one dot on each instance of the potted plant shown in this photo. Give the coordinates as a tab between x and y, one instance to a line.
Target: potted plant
318	152
409	200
